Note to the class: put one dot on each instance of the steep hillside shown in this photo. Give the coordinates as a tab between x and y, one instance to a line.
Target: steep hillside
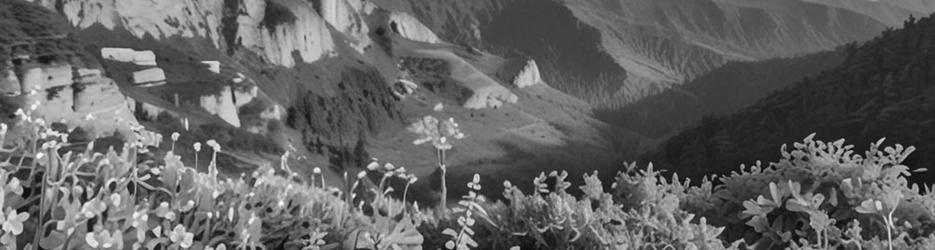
615	52
663	43
883	89
732	87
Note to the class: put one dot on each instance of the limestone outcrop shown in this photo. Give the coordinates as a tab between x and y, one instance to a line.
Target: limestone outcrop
222	105
292	25
409	27
141	58
349	17
528	76
76	97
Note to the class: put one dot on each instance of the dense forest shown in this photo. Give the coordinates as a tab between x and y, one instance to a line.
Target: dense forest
884	88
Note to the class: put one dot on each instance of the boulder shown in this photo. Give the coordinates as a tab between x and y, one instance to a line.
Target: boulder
213	66
403	88
222	105
149	77
528	76
141	58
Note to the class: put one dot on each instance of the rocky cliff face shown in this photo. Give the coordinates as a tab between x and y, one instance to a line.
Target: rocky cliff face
222	105
47	74
75	97
274	28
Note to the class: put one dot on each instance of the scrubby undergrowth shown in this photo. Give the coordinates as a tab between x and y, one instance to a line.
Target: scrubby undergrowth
821	195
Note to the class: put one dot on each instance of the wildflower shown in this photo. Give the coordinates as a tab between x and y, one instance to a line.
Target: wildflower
12	223
139	221
89	117
105	239
214	145
20	113
14	186
115	199
389	166
164	212
361	174
197	147
93	207
316	170
438	107
175	136
178	235
373	166
413	179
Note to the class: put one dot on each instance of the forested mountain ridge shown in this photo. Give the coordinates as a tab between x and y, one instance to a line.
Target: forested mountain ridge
883	89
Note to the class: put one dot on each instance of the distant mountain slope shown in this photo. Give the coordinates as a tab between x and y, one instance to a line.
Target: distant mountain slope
884	89
662	43
615	52
725	90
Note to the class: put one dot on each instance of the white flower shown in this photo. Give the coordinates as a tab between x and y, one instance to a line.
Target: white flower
175	136
89	117
214	145
197	147
413	179
361	174
316	170
373	166
389	166
438	107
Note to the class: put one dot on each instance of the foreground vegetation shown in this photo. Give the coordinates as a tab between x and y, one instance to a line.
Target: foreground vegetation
821	195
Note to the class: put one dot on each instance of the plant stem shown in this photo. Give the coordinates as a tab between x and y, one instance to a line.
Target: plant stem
889	228
443	201
405	191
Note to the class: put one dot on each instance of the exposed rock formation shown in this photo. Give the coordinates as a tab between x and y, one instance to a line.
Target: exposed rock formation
141	58
403	88
213	66
528	76
244	95
292	25
149	77
222	105
349	17
88	100
409	27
